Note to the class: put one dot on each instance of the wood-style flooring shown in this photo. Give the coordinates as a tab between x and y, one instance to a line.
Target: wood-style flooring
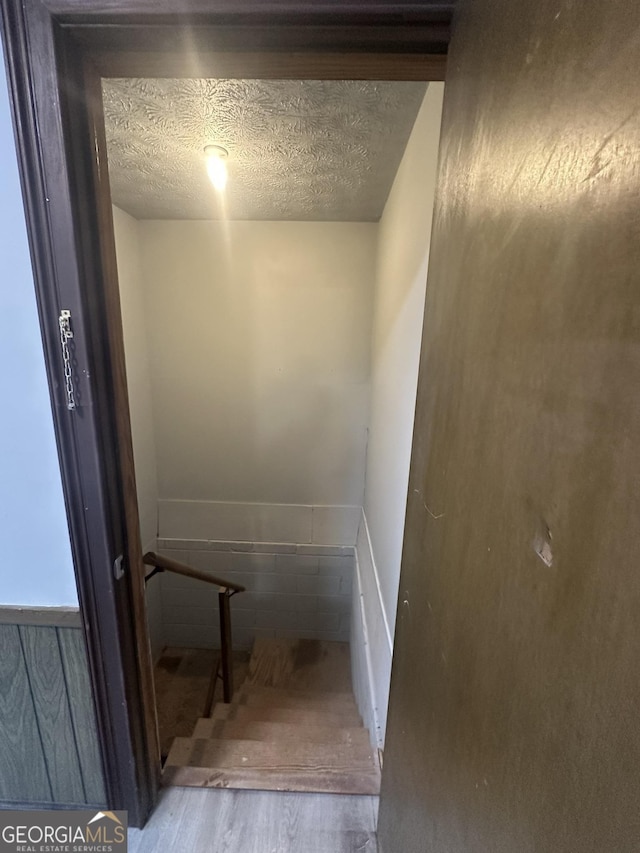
192	820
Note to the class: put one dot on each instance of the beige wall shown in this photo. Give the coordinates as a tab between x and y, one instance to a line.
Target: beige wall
259	353
403	255
400	285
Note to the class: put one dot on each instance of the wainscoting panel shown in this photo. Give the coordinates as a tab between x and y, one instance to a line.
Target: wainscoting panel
43	662
23	771
76	672
48	742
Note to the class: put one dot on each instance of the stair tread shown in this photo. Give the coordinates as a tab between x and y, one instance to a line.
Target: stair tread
255	753
264	730
301	664
286	715
277	765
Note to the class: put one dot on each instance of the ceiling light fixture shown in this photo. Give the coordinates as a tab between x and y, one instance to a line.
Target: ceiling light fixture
216	166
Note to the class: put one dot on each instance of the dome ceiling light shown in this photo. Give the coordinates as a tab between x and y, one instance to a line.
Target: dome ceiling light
216	165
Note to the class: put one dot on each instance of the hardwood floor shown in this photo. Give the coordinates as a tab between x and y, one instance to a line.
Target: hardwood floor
192	820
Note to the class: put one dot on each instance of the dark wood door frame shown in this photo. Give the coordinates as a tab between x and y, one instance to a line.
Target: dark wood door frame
56	52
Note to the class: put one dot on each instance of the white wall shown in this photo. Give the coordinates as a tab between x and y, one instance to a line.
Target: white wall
401	275
260	344
36	567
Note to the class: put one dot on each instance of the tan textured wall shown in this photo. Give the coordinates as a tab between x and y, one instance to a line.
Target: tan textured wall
513	722
259	350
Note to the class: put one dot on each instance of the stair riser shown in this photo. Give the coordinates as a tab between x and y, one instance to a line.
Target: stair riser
330	707
257	690
271	780
285	715
258	730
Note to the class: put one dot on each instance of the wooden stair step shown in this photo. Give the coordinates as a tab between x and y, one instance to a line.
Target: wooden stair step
300	716
301	664
290	732
263	754
293	726
260	690
341	768
309	782
274	698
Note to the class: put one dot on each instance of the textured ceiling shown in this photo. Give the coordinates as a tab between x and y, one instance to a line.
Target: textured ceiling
300	150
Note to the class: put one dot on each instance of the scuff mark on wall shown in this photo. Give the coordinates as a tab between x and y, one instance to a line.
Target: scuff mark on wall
436	517
542	547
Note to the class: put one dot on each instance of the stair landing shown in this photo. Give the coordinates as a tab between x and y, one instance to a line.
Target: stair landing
292	726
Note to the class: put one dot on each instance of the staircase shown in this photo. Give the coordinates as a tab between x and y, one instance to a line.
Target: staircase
292	726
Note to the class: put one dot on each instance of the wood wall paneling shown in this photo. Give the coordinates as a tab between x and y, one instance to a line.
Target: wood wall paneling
51	702
23	770
48	740
76	672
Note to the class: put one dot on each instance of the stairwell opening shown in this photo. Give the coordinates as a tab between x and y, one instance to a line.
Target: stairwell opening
272	337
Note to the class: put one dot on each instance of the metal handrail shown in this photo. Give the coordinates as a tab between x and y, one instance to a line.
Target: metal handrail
226	590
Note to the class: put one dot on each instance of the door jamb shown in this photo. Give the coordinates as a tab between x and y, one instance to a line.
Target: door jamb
56	51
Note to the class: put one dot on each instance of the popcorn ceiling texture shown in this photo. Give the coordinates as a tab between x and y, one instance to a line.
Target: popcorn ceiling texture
298	150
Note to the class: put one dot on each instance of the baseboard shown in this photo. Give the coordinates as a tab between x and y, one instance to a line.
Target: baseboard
371	640
53	617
